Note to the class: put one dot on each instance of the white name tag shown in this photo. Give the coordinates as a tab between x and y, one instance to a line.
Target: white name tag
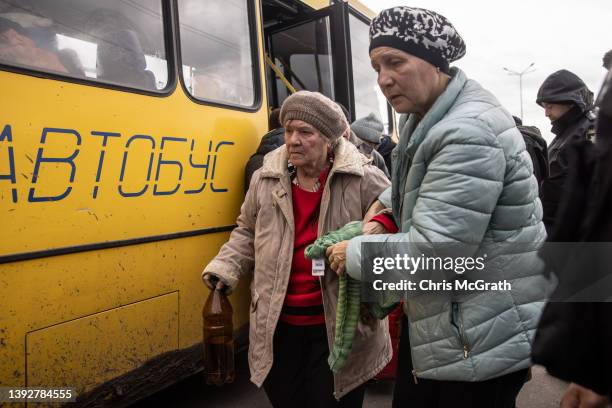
318	267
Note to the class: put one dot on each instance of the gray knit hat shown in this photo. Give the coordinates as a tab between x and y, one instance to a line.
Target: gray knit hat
369	128
317	110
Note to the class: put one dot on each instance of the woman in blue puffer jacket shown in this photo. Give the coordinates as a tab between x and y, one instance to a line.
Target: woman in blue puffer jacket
461	175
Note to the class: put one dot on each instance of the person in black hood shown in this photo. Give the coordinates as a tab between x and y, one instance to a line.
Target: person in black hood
272	140
573	337
607	60
567	102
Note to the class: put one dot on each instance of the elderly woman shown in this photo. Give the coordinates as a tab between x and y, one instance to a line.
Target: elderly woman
315	183
461	175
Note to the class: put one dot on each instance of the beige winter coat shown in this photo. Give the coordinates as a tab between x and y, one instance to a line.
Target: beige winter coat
263	242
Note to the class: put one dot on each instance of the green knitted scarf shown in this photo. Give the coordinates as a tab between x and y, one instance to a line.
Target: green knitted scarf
349	296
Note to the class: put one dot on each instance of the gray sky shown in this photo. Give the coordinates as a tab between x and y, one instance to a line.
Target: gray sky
555	34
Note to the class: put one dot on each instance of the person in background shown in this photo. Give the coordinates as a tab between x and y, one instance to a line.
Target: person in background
272	140
607	60
583	328
369	131
70	59
121	60
121	47
567	103
362	147
536	147
18	47
375	157
385	148
316	183
461	177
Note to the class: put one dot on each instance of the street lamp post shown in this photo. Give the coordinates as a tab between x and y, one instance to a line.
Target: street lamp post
527	70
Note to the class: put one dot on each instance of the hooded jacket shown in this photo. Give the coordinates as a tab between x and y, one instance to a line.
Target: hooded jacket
563	87
583	327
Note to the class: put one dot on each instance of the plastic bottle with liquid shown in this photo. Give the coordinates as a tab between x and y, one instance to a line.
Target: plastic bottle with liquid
218	339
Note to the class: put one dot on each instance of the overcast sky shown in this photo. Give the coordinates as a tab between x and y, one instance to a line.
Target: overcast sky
554	34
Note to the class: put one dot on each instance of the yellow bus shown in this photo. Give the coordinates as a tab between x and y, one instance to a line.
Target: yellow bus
125	126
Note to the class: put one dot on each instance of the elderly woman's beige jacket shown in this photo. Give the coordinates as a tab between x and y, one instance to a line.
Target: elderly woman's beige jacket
263	241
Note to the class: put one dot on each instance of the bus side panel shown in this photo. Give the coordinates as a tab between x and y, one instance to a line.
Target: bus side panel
168	164
104	345
204	153
84	168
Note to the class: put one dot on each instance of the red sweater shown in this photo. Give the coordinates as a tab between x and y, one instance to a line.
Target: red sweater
304	302
387	221
303	305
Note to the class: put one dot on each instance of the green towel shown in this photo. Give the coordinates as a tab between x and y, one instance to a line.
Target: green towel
349	297
317	249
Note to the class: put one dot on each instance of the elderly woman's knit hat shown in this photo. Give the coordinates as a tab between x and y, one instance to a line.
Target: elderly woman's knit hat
419	32
317	110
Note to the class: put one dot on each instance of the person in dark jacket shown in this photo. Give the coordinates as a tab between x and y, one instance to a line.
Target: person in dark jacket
573	339
567	102
536	147
385	148
272	140
607	60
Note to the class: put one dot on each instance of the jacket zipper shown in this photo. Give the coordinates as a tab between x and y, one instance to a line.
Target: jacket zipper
457	312
414	371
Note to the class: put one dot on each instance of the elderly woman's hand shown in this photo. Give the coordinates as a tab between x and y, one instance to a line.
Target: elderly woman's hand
373	227
374	209
336	255
214	282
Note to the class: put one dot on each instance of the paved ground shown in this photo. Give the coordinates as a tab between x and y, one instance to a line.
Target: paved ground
542	391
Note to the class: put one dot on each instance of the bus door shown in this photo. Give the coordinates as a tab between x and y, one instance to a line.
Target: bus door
311	51
326	51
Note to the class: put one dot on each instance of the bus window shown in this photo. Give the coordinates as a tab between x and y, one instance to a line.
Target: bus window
119	43
116	42
368	96
216	51
303	53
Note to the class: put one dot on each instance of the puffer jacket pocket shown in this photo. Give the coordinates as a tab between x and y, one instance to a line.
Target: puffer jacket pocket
456	320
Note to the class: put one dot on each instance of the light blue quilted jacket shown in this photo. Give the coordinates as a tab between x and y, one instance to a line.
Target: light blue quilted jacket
462	175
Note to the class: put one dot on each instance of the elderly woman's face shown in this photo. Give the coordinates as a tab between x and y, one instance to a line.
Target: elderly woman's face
306	146
407	82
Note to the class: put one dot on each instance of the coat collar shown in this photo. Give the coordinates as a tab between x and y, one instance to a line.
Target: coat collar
346	160
411	136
